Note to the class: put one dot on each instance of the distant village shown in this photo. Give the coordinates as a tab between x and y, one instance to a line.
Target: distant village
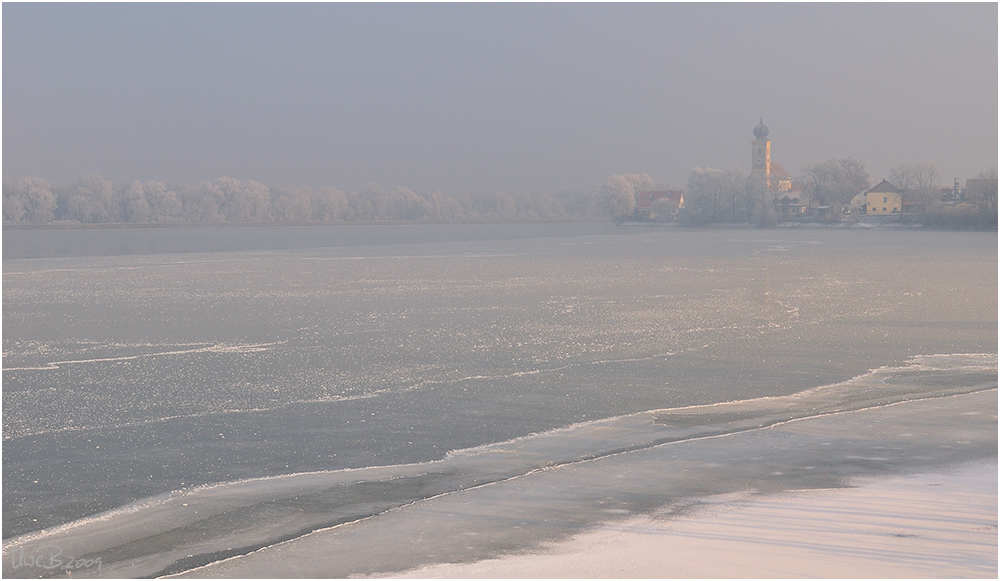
831	191
837	190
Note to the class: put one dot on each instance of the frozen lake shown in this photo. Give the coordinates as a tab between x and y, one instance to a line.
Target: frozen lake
296	379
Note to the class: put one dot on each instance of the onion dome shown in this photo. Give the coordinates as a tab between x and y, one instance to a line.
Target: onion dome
760	131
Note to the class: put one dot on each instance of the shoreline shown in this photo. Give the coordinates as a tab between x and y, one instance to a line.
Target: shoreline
934	524
70	225
861	224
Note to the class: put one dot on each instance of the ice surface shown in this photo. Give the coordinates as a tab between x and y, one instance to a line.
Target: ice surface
513	495
318	379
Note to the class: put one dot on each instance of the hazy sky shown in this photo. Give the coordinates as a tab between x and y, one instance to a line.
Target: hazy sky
517	98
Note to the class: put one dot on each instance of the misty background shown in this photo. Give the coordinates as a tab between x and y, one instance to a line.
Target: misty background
511	100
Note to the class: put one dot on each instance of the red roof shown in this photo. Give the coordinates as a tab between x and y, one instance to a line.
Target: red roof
778	171
645	200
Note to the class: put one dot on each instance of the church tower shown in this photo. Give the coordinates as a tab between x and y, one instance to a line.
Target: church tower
760	148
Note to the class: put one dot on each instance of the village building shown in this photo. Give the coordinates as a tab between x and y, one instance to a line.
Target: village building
762	169
975	188
658	204
980	185
791	201
788	197
859	203
884	198
953	196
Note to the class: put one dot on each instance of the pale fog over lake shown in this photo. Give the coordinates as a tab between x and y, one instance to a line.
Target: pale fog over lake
205	398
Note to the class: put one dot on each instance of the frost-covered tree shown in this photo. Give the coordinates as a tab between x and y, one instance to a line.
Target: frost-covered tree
201	203
445	207
136	208
365	204
618	196
164	205
28	200
292	204
244	201
94	200
539	206
13	204
617	193
405	204
329	204
495	206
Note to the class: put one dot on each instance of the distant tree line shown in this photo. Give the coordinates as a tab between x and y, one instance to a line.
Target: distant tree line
711	196
97	200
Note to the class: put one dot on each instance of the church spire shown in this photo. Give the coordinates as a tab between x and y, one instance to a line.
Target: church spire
760	148
760	131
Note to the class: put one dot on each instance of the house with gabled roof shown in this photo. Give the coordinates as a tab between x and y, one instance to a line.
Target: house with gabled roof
883	198
661	203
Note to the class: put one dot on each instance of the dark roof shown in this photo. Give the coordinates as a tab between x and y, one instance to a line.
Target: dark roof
790	195
973	183
884	187
760	131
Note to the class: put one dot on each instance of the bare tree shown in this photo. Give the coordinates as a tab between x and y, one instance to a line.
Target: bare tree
927	176
704	194
903	176
835	181
927	182
715	195
919	183
760	198
737	194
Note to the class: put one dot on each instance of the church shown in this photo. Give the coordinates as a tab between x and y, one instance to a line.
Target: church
788	198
